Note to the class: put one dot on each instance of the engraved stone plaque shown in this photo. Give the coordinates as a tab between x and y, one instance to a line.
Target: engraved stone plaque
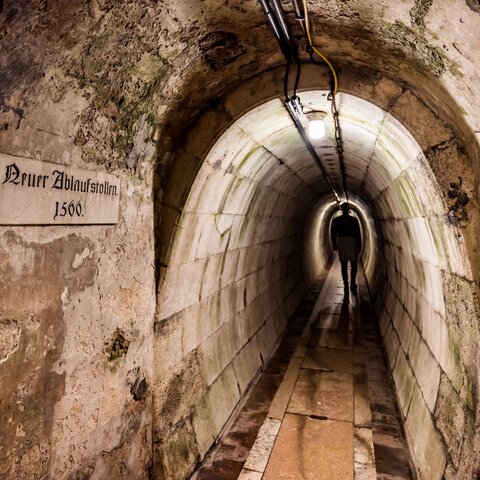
41	193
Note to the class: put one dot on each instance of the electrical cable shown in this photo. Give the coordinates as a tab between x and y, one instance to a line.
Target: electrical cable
315	49
272	19
289	49
291	108
299	15
297	79
285	81
333	90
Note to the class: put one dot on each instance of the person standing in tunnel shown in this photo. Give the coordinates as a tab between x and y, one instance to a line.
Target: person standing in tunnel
346	238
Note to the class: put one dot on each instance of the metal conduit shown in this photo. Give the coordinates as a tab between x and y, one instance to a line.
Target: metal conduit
272	19
281	31
294	116
283	24
299	16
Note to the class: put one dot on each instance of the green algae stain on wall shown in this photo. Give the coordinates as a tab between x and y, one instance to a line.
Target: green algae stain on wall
431	57
419	11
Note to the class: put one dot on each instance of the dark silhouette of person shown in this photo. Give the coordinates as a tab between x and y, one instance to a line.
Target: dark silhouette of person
346	238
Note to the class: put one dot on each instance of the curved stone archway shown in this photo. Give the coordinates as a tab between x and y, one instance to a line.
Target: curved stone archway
235	273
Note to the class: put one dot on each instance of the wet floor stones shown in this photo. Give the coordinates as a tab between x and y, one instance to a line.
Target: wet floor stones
392	459
324	408
227	458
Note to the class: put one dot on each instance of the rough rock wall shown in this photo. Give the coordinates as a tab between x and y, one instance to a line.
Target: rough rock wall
77	303
76	318
93	84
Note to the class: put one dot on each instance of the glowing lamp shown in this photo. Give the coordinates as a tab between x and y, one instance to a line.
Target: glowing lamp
316	129
316	125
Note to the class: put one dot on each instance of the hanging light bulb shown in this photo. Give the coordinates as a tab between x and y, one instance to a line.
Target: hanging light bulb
316	129
316	125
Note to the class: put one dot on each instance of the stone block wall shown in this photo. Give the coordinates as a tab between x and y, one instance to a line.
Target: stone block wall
234	276
422	325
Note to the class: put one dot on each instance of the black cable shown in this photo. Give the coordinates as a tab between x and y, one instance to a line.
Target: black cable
285	81
281	22
338	138
297	78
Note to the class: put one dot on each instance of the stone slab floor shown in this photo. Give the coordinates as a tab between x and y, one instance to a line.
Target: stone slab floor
334	414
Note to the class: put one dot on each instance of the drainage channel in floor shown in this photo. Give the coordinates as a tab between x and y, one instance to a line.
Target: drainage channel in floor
324	407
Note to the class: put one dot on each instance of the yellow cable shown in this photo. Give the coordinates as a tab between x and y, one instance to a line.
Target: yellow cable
320	54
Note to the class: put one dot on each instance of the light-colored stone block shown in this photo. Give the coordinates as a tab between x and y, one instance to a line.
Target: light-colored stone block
427	446
253	317
229	268
239	196
284	392
384	321
214	409
249	475
295	297
211	278
267	338
235	143
432	290
218	350
326	447
427	372
404	381
187	235
181	288
437	337
229	301
204	426
362	413
403	325
324	394
392	345
410	301
211	240
363	454
281	319
212	192
247	363
329	359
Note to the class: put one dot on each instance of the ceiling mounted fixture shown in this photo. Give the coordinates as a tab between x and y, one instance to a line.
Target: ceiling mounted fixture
316	125
275	14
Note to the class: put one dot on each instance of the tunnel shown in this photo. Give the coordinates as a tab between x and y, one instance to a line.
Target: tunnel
165	237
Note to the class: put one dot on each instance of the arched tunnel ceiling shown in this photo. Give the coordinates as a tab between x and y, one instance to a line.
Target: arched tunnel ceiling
145	57
377	147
